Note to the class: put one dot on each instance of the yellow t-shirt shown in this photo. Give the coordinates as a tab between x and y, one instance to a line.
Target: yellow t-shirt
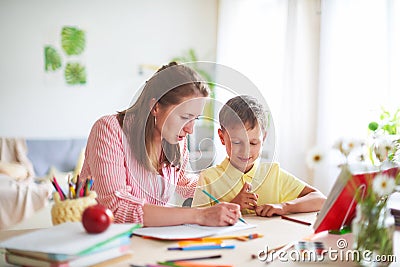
272	184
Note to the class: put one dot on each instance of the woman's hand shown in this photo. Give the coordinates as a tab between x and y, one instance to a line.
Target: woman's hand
268	210
245	199
222	214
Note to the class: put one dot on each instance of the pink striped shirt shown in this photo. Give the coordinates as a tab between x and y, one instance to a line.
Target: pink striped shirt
120	182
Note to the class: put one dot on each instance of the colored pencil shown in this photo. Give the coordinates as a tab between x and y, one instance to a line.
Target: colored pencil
79	190
77	186
196	258
58	191
239	237
58	188
294	220
197	242
72	190
217	201
194	264
205	247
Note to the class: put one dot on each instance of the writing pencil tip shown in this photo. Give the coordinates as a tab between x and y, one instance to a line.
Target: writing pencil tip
242	220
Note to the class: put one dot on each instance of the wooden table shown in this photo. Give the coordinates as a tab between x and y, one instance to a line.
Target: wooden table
276	232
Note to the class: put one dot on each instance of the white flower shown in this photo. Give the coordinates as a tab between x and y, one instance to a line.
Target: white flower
315	157
382	146
383	184
397	156
396	149
338	144
346	146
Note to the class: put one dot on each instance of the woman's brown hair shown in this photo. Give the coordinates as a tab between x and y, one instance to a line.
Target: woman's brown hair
170	85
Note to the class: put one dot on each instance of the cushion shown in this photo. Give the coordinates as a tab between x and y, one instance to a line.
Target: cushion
14	170
62	154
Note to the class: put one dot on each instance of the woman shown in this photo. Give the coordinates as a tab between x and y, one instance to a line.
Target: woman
138	157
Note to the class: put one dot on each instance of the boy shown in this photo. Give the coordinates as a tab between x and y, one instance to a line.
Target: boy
263	188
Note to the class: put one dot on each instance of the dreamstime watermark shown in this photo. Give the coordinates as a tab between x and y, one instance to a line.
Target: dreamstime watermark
316	252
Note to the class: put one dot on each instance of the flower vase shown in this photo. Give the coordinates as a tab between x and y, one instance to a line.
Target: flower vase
373	229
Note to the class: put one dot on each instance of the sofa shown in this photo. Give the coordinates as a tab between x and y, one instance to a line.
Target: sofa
48	158
58	154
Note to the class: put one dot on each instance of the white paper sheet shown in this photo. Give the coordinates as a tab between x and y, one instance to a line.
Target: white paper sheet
189	231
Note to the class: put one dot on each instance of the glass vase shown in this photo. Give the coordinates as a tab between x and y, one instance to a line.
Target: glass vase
373	229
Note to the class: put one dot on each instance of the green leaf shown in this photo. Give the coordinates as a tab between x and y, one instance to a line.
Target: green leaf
75	73
373	126
52	59
73	40
192	55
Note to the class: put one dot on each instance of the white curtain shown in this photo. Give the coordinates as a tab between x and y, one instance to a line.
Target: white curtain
324	67
359	71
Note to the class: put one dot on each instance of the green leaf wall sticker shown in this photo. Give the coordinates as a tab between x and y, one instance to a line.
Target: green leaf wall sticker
75	73
73	40
52	59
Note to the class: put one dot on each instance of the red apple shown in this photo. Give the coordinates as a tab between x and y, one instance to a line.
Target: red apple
96	219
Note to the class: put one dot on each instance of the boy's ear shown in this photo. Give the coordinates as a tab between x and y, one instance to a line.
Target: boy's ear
221	136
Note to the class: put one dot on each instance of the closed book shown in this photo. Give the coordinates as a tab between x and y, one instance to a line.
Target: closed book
68	240
339	208
394	205
124	240
87	260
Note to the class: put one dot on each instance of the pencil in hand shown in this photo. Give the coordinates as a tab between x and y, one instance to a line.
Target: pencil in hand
217	201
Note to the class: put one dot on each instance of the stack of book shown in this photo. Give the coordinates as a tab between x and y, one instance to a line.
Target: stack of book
396	214
68	244
394	205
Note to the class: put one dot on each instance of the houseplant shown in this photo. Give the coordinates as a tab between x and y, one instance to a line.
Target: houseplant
373	226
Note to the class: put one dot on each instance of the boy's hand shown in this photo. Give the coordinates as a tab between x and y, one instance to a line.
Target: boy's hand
245	199
268	210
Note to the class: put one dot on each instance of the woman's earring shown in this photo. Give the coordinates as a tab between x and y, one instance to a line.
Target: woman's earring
153	113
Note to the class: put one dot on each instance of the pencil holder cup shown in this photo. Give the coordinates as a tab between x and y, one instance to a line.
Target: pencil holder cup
70	210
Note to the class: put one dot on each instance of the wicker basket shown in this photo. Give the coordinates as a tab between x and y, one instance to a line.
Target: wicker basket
70	210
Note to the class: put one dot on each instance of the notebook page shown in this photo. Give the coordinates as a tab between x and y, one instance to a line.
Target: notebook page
189	231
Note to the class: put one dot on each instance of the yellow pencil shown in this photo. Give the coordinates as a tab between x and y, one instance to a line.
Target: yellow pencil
238	237
194	242
72	190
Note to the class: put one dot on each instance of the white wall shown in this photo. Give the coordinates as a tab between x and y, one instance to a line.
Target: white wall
120	35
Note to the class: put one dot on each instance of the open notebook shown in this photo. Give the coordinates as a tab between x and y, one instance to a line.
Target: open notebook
189	231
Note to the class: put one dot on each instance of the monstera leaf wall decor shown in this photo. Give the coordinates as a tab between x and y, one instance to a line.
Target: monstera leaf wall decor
73	42
75	73
52	59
